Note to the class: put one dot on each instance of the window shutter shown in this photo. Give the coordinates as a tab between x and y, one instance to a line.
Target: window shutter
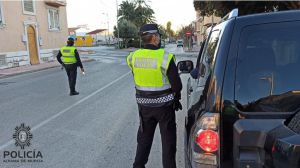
0	15
28	6
51	19
56	19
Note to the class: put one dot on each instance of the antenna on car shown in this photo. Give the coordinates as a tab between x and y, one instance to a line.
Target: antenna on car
232	14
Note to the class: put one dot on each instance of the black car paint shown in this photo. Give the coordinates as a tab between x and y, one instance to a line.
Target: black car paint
220	96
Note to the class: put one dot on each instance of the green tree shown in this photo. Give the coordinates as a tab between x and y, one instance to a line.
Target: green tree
138	12
221	8
163	32
127	31
181	34
169	30
144	15
126	11
183	30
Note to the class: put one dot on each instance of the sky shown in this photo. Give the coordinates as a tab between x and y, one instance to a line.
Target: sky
101	13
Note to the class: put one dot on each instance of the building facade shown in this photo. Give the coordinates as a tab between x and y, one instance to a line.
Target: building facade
31	31
202	23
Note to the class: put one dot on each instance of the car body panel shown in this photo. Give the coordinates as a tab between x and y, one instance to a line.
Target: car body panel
221	87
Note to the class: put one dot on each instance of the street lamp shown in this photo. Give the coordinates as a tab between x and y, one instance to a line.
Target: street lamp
117	24
107	27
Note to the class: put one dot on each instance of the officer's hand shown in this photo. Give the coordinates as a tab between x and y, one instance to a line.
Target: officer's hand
177	105
82	70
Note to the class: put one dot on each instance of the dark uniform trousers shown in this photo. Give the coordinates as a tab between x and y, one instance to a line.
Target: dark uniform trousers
71	70
151	116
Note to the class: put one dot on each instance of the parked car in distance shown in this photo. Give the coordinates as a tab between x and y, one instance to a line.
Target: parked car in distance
179	43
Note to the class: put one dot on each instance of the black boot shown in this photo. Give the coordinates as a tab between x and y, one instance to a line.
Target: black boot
74	93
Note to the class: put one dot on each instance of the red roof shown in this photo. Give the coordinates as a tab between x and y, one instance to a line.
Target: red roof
73	29
96	31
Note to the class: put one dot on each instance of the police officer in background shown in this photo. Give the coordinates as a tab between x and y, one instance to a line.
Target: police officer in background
70	60
158	88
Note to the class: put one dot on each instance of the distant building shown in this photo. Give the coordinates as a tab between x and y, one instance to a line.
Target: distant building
72	31
84	41
202	23
31	31
98	36
82	38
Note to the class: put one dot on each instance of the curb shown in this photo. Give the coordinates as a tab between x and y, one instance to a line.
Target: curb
36	70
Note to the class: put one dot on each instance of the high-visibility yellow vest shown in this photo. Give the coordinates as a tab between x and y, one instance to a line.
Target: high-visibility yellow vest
68	54
149	69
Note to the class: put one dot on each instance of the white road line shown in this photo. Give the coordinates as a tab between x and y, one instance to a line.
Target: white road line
67	109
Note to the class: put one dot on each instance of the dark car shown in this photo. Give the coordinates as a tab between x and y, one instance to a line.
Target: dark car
244	94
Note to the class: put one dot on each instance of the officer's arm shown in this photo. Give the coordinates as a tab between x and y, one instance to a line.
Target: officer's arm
58	57
129	60
174	79
78	59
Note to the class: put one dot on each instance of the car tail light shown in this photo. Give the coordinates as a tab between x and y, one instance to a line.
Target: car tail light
208	140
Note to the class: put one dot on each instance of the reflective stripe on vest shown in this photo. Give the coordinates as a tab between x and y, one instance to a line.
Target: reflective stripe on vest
68	54
149	69
129	59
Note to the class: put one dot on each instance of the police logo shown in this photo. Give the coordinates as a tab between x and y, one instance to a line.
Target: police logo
22	136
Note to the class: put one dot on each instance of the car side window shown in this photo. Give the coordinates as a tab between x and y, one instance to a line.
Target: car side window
268	66
200	53
208	56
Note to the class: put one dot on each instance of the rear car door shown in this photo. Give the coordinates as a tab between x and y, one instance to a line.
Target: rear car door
206	65
267	83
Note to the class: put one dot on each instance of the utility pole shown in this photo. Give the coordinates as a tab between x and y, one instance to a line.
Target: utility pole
107	27
117	24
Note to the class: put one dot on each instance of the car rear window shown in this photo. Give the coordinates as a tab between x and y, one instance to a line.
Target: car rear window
268	68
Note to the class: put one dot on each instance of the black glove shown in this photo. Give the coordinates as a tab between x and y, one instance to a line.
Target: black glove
177	105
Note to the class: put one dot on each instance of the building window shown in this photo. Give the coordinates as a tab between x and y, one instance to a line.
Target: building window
29	7
53	19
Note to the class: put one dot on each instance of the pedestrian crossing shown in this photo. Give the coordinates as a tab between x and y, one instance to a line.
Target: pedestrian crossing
114	59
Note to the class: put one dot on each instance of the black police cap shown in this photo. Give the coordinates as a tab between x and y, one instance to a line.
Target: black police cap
149	29
71	39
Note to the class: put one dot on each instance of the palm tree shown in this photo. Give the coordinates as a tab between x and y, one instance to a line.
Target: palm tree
143	15
138	12
126	11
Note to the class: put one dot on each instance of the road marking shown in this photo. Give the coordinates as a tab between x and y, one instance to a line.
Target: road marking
67	109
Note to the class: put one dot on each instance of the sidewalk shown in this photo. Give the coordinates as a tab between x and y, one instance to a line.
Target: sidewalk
31	68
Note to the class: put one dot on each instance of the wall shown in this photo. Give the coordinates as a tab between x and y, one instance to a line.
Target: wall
88	41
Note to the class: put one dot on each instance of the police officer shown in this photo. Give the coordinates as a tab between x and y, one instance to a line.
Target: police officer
70	60
158	88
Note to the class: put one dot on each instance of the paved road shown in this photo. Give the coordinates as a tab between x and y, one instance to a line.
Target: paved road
96	129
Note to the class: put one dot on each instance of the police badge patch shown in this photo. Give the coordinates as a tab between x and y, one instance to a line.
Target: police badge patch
22	136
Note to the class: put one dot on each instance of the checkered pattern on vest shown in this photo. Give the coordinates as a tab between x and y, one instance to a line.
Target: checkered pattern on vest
163	99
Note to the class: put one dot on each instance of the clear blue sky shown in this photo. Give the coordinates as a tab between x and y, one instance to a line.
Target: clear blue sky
179	12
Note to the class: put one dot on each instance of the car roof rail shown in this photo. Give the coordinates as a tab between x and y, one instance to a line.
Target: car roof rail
231	14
